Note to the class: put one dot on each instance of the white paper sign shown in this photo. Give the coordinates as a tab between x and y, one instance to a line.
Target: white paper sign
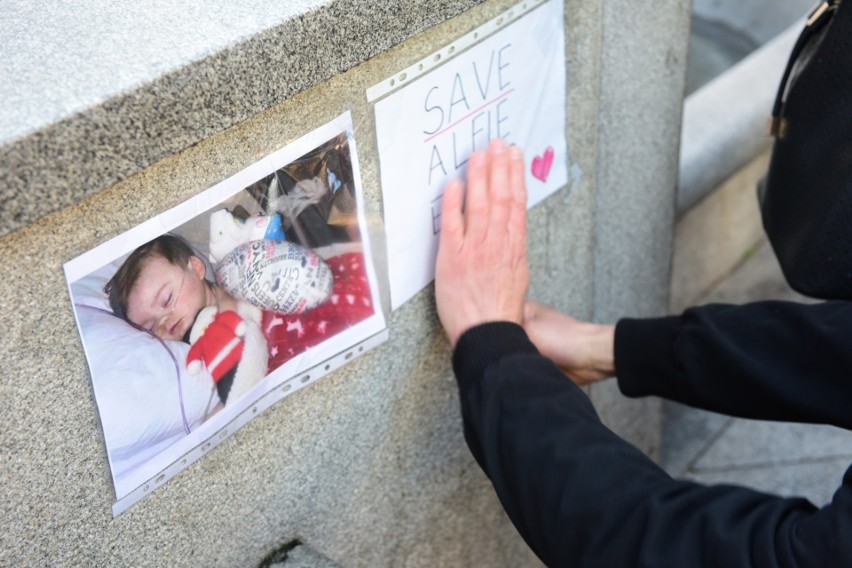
510	85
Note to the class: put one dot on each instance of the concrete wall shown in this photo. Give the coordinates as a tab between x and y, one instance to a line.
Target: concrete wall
643	53
368	465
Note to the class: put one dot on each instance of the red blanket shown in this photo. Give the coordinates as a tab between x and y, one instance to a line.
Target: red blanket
350	303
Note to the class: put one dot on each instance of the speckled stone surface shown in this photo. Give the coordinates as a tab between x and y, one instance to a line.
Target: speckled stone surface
94	93
368	466
641	98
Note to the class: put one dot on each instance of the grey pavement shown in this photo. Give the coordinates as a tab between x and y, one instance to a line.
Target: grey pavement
781	458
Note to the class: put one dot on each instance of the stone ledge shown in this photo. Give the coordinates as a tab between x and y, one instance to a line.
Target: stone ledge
55	158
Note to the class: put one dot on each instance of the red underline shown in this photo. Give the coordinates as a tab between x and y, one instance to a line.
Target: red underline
468	115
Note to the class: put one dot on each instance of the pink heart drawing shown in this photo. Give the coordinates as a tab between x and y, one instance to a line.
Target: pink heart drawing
541	164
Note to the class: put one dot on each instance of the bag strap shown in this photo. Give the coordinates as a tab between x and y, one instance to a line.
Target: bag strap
816	21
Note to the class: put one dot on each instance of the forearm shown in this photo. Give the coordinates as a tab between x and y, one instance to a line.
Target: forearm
552	463
581	496
767	360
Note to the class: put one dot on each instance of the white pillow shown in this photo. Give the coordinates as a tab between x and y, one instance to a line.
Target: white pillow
145	397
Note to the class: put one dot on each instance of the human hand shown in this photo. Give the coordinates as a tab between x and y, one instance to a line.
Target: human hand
584	351
481	273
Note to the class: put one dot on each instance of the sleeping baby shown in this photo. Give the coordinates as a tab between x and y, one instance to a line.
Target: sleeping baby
161	288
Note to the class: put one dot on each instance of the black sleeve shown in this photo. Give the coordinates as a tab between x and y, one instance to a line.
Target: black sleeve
766	360
581	496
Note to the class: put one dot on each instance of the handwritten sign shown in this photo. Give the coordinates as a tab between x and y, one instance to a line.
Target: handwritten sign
510	85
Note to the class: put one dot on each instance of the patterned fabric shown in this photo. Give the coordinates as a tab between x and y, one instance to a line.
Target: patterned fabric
275	275
350	302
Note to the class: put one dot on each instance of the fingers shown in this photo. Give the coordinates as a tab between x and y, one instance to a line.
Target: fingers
517	176
452	219
476	201
500	194
518	189
494	201
496	193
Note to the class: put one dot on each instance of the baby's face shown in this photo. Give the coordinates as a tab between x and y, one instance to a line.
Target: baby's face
166	298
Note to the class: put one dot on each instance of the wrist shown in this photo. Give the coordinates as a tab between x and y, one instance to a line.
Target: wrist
602	349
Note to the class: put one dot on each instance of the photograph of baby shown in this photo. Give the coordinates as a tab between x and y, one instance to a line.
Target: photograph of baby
190	326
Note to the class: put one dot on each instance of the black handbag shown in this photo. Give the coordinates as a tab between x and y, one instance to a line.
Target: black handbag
806	196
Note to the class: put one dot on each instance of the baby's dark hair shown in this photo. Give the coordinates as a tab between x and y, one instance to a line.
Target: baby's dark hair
172	248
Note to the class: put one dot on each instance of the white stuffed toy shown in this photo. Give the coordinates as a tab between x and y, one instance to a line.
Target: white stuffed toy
232	347
228	231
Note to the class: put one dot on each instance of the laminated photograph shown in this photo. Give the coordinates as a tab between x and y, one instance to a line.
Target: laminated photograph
197	320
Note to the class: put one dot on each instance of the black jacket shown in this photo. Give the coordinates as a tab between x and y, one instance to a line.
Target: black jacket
581	496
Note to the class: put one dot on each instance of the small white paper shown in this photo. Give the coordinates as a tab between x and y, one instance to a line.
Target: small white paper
510	85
